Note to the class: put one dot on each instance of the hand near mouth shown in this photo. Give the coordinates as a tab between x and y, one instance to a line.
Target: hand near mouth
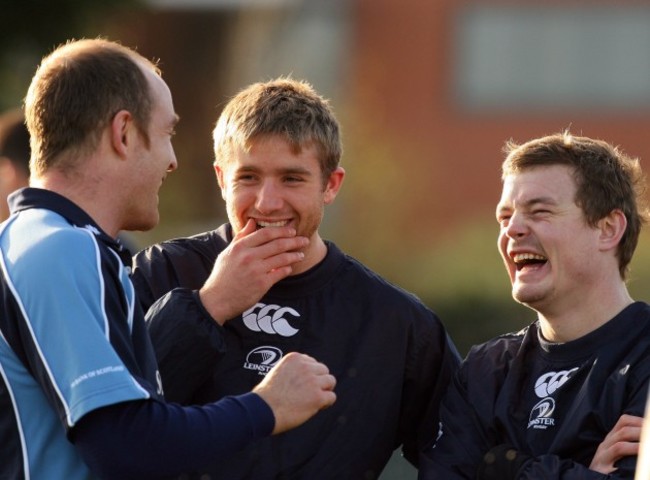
253	262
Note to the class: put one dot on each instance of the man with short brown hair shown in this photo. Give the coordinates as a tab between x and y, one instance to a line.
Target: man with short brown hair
563	397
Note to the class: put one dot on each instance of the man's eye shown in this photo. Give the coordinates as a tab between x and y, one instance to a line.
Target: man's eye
245	178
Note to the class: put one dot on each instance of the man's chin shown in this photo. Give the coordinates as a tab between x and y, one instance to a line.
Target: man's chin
529	299
143	225
523	293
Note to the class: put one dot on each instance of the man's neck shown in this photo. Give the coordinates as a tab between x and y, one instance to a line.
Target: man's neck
85	193
567	324
314	254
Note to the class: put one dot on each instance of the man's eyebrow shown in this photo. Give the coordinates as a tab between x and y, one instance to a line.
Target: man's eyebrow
298	170
539	201
282	171
246	168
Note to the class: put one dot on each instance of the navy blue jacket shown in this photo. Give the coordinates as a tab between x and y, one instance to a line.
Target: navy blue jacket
390	354
552	403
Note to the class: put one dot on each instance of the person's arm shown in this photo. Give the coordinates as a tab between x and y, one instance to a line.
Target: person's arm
248	267
622	441
462	437
466	450
185	325
431	363
615	457
503	462
150	439
187	342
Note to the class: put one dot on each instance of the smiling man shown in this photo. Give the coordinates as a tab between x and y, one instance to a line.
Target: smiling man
80	391
235	307
563	397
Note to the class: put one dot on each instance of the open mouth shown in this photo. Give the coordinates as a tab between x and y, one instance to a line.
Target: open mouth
523	260
281	223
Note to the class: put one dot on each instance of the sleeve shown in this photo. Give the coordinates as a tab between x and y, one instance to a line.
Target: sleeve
186	341
432	361
183	262
150	276
65	327
469	447
150	439
554	466
503	462
462	438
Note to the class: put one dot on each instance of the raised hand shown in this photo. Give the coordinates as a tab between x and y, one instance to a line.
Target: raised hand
253	262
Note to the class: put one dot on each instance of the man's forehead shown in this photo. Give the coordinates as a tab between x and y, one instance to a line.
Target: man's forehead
541	184
539	174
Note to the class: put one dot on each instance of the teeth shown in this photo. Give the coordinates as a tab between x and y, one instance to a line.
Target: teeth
272	224
522	257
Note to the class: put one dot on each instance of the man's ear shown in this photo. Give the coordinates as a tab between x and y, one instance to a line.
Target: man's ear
333	185
121	129
612	227
219	172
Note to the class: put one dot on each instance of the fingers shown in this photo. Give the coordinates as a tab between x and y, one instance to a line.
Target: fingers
245	270
627	429
621	441
271	251
329	398
323	379
327	385
269	242
629	420
296	389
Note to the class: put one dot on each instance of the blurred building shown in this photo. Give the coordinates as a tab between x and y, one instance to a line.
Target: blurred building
455	78
427	90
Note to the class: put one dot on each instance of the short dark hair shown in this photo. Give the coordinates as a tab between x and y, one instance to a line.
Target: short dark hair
14	139
606	180
76	91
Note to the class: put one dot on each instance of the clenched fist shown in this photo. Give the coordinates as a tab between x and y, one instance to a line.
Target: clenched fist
296	389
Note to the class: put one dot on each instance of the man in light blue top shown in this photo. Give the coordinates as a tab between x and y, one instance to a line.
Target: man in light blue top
80	392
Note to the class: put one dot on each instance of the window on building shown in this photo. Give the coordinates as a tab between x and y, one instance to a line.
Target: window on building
546	58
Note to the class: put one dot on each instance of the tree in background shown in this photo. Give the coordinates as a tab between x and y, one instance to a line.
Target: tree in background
29	29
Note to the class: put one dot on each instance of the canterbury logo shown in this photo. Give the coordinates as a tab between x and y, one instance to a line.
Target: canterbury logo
548	383
270	319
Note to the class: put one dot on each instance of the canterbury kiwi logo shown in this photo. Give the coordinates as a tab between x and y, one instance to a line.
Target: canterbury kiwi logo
548	383
270	319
